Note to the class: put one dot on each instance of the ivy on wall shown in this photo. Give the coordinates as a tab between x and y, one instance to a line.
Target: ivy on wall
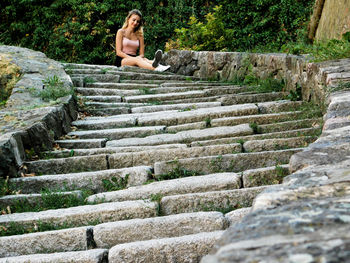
84	30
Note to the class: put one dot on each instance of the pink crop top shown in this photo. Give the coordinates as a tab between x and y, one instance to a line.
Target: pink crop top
130	46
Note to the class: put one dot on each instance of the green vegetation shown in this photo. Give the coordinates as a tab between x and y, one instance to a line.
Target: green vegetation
239	25
53	88
13	228
146	91
49	200
115	184
255	127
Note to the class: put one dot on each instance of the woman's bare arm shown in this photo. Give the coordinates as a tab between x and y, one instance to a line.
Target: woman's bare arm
142	46
119	44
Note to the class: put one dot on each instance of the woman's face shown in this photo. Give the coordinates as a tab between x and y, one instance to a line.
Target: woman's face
134	21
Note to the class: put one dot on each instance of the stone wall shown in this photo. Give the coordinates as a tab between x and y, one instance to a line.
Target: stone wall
313	78
306	219
27	122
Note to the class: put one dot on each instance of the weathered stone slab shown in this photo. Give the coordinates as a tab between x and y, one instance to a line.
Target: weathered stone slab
110	234
99	92
114	99
119	160
88	256
111	150
227	163
107	111
332	147
82	143
209	201
162	97
117	133
67	165
180	107
189	249
290	125
276	106
277	144
175	118
187	126
258	119
71	239
86	180
236	216
193	184
264	176
284	134
98	122
33	199
251	98
184	136
120	86
83	215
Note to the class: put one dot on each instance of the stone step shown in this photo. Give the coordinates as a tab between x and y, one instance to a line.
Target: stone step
264	176
93	181
236	216
192	184
168	118
184	136
118	133
204	114
227	163
224	200
120	160
97	104
290	125
113	99
189	100
278	106
189	126
106	111
88	256
65	240
164	97
31	199
189	248
102	235
81	81
179	107
106	92
277	143
198	83
110	150
251	98
313	132
81	143
258	118
108	235
124	75
68	165
121	86
81	215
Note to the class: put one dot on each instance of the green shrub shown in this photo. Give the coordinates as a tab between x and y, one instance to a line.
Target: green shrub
53	88
245	26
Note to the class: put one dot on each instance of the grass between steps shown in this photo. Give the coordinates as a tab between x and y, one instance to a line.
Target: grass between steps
13	228
49	200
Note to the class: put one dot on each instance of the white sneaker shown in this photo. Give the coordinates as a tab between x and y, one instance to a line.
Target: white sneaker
157	58
161	68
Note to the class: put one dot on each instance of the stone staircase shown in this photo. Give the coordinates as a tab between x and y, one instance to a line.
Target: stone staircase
154	170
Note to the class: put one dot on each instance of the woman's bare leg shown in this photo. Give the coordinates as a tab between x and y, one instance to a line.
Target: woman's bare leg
137	61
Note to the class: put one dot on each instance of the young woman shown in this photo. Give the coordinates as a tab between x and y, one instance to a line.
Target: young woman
129	39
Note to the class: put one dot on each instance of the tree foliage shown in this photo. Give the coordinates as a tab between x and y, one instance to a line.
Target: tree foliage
84	30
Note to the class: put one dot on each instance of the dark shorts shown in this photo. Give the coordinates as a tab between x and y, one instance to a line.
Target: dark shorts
118	61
